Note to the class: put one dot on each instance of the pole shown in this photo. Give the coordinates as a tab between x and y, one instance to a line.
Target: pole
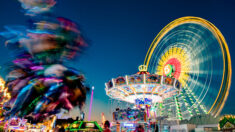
89	116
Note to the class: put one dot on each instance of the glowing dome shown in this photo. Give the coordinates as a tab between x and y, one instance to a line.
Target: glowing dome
143	88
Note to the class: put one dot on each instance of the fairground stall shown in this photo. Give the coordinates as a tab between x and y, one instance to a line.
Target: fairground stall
84	126
128	119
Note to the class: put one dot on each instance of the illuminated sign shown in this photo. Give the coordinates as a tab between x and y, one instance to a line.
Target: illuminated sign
90	125
128	125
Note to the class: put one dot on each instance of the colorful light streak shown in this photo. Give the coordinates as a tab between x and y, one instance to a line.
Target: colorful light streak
223	92
89	116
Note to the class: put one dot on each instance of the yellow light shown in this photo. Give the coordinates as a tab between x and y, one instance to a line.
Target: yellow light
142	68
6	95
219	102
181	56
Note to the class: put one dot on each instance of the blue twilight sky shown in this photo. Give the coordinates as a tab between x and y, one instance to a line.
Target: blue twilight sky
121	32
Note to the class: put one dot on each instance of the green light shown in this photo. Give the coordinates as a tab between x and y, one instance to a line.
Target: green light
168	69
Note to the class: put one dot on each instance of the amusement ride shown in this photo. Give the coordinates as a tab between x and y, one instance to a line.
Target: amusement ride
186	72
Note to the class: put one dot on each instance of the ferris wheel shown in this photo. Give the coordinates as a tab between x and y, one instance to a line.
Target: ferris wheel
193	51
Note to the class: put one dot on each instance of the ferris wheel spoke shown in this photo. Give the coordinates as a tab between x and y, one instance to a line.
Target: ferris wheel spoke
191	62
204	57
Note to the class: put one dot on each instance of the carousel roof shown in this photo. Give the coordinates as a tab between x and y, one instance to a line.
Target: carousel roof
142	85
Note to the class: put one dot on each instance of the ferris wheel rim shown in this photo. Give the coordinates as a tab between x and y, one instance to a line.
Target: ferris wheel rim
215	109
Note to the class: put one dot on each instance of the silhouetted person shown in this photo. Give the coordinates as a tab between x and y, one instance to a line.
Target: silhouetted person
106	126
62	129
156	128
139	129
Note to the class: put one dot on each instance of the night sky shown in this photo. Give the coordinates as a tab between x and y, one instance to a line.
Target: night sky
120	33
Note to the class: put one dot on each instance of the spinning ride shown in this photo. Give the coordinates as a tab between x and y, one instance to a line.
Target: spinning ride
143	89
199	54
187	71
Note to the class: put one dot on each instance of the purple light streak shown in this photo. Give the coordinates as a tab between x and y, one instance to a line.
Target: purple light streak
89	116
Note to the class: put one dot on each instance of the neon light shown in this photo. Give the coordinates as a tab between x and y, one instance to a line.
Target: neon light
128	125
89	116
178	108
103	118
168	69
176	57
187	105
187	91
147	111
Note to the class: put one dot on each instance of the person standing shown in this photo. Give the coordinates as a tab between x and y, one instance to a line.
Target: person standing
106	126
139	129
156	127
62	129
